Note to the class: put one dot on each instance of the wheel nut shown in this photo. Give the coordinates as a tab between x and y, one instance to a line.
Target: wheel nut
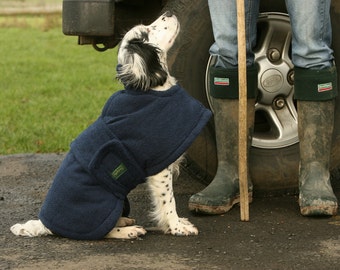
290	77
274	55
279	103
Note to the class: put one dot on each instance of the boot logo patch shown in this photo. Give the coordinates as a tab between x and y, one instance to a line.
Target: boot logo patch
221	81
325	87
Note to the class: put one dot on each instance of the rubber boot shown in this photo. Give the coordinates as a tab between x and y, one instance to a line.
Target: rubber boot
223	192
315	124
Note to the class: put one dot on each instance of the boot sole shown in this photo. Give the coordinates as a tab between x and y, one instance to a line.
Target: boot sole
216	209
319	210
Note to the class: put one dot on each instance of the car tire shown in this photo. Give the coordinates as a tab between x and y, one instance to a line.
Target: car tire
272	169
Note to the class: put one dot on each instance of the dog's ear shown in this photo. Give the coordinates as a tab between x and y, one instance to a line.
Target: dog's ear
141	67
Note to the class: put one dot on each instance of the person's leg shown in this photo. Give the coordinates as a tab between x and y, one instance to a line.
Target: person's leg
315	89
223	192
223	16
311	33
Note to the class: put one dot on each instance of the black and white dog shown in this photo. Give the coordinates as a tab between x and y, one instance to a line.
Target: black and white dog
140	136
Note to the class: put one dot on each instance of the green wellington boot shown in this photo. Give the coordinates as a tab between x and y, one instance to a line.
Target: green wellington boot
315	91
223	192
315	120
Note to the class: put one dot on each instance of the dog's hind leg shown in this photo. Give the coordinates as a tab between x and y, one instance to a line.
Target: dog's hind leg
31	228
125	221
126	229
164	212
128	232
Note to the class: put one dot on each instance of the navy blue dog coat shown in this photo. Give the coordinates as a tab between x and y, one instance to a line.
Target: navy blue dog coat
137	135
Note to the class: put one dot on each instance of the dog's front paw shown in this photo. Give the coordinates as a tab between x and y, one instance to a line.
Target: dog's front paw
183	227
129	232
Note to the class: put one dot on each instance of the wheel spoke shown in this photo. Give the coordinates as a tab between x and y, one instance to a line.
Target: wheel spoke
276	116
283	126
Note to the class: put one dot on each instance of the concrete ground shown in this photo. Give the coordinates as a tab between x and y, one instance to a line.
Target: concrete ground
276	237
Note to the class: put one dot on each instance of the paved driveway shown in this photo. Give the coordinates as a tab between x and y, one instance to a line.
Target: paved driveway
276	237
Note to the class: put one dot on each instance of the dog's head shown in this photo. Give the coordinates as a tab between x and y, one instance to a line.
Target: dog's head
142	53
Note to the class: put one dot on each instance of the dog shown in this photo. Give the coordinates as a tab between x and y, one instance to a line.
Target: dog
141	136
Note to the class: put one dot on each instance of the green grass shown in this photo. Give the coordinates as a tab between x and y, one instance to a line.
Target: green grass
50	87
29	3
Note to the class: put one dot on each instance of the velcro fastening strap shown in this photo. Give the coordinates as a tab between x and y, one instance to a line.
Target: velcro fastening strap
116	168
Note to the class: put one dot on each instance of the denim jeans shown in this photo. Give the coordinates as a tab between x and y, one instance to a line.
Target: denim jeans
311	32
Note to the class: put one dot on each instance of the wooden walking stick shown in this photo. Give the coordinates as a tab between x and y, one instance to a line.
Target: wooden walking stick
242	128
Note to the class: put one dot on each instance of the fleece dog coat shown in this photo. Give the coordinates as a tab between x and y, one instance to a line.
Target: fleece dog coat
137	135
